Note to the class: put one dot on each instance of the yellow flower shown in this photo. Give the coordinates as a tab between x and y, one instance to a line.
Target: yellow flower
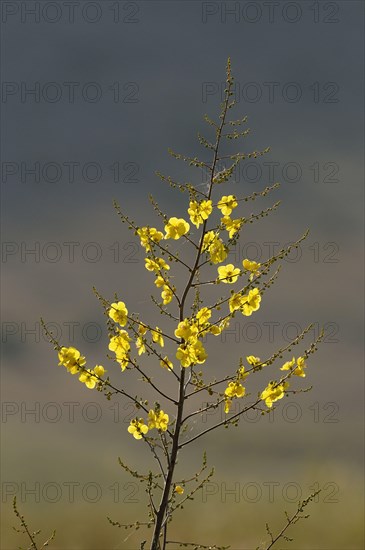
71	359
232	226
179	490
151	265
218	251
203	315
199	212
253	267
166	295
99	371
228	273
148	234
200	353
88	377
120	342
123	361
299	369
251	302
227	204
138	428
224	324
158	419
185	355
208	239
227	405
156	265
242	374
120	345
301	365
157	337
189	354
140	345
176	228
160	281
166	363
186	331
215	330
214	245
235	302
235	389
142	329
118	312
273	392
288	365
218	329
254	361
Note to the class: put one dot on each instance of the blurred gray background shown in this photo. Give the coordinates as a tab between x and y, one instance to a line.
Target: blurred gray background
93	94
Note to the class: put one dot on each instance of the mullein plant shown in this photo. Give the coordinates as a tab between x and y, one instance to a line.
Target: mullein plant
211	228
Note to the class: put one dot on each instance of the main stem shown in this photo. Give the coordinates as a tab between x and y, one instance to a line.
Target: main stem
161	514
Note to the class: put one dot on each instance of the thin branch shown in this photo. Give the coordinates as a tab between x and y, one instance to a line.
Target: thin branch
151	446
259	366
222	423
311	349
175	444
26	531
291	520
148	379
198	546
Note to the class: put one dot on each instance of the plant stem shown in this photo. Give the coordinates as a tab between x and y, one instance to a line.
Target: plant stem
175	447
161	518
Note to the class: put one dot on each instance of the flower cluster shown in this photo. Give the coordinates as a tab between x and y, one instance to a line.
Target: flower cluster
231	226
90	377
138	428
156	265
199	211
74	362
214	246
120	344
149	235
71	359
156	419
190	350
235	389
273	392
246	304
299	369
